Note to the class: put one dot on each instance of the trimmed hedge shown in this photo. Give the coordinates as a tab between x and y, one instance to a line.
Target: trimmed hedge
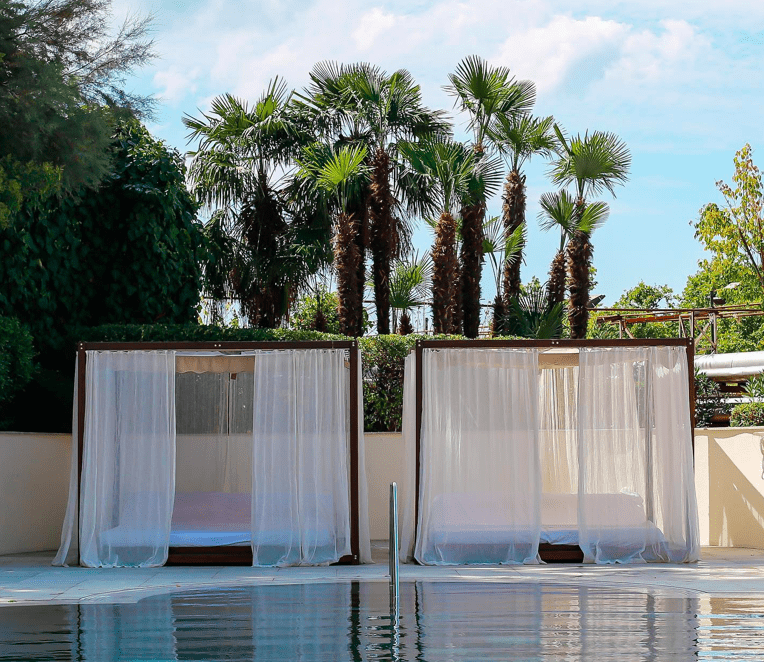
748	414
16	355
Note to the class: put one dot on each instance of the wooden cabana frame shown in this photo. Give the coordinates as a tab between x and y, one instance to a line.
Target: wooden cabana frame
547	552
231	554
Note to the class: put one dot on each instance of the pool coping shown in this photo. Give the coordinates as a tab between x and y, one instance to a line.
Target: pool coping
28	579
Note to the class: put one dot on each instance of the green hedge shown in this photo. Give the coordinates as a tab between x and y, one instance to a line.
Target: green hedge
16	359
748	414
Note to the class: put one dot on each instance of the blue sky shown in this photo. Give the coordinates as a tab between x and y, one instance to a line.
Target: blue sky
680	82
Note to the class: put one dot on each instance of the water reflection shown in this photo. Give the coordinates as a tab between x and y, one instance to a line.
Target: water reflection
434	621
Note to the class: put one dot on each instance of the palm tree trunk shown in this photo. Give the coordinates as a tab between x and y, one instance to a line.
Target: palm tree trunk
555	288
580	252
380	231
347	258
497	326
513	215
405	328
445	275
472	266
360	210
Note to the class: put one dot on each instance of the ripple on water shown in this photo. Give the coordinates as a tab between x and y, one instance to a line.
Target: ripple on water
352	621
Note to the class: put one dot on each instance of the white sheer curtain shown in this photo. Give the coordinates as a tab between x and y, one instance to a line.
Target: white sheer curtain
408	427
636	489
67	551
480	477
300	486
128	470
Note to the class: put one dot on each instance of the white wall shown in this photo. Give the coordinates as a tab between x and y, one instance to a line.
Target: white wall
730	488
34	486
384	465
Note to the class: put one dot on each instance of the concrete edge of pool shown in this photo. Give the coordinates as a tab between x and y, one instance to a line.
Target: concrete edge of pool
29	579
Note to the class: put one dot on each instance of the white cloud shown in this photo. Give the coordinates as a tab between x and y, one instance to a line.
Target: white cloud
372	25
550	54
175	84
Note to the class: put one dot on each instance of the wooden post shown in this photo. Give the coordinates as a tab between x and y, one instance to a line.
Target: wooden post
81	385
419	401
355	546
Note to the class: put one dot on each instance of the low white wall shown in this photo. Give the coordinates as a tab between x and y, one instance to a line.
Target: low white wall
34	486
729	485
384	465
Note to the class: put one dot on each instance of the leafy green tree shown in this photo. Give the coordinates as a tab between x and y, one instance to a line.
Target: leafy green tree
735	233
126	252
641	296
316	309
62	86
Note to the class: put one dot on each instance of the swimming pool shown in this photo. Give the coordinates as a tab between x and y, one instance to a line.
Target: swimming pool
438	620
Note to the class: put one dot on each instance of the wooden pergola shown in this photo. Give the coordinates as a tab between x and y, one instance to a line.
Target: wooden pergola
695	323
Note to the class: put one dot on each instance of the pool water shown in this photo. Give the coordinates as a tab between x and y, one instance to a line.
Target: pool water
352	621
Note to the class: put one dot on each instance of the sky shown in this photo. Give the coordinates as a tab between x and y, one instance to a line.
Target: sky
680	83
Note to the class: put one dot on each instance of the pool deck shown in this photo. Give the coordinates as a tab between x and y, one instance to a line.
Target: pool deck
30	579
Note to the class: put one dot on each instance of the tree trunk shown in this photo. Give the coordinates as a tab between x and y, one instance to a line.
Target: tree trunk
499	312
405	328
555	288
346	259
445	275
380	236
513	215
579	260
472	266
360	210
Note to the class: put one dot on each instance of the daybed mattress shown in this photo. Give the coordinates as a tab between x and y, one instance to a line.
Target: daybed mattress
477	519
211	519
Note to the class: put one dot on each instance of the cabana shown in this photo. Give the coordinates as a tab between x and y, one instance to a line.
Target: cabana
243	452
553	450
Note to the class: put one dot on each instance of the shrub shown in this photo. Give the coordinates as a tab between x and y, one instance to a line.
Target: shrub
747	414
708	400
16	355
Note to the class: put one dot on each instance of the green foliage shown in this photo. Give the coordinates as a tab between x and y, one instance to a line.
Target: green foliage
754	388
303	315
640	296
127	252
383	363
192	333
748	414
708	400
16	355
736	232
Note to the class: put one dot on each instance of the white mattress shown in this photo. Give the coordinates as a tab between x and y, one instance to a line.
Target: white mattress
476	519
213	519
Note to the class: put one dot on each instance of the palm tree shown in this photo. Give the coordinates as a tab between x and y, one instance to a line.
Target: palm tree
592	163
338	173
484	92
530	315
558	210
518	138
409	284
234	172
501	250
449	169
362	103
